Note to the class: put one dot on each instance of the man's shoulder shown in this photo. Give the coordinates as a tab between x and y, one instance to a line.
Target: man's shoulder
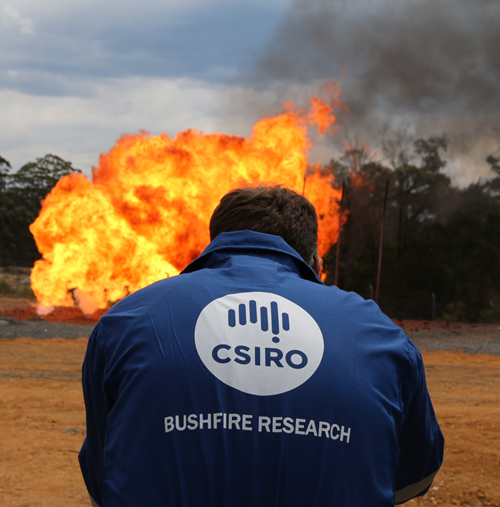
363	322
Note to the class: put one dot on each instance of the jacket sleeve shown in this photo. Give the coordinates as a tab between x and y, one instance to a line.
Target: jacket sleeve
98	403
420	440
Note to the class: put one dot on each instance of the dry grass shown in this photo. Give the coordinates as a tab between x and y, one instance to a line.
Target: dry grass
15	283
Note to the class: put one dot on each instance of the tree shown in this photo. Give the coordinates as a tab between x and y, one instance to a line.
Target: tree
36	179
397	147
494	184
4	173
365	183
428	150
494	161
21	194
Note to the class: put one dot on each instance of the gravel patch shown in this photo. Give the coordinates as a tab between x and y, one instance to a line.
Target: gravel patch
11	328
473	340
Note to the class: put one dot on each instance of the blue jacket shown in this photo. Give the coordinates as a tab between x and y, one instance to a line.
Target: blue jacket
246	382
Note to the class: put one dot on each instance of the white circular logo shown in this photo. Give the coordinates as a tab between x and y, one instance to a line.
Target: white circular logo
258	342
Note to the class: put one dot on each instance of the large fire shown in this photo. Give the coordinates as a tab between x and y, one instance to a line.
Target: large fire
145	214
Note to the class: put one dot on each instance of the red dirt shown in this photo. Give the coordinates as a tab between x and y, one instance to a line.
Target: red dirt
26	310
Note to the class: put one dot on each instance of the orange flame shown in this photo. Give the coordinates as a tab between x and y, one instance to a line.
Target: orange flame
145	214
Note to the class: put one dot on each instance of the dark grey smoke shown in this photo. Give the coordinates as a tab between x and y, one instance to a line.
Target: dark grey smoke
434	64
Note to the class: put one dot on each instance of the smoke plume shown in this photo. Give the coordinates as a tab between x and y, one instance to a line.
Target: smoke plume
432	64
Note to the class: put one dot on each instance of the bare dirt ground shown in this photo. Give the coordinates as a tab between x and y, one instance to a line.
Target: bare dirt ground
42	419
42	422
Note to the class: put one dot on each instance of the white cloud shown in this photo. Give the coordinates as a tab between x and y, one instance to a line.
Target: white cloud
78	129
12	17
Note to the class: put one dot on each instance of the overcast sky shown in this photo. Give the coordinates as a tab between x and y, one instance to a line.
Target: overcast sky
76	75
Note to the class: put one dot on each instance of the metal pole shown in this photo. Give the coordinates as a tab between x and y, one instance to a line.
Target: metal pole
381	242
433	306
338	239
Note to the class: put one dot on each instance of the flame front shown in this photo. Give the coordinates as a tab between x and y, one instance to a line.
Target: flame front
145	215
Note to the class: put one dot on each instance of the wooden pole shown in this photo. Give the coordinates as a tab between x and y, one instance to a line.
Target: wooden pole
381	242
338	239
304	185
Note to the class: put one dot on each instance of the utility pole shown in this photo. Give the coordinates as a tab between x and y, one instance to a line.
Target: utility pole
381	242
338	239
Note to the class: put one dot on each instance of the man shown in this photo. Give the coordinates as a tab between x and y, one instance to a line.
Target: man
246	382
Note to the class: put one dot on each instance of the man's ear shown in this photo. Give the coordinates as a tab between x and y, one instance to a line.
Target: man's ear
317	265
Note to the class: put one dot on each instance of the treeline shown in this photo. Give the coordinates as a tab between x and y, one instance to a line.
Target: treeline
441	244
441	247
21	194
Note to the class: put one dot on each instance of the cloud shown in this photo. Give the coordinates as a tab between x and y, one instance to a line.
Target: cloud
78	129
12	17
200	39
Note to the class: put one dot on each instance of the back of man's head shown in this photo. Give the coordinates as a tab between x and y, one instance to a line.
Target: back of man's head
273	210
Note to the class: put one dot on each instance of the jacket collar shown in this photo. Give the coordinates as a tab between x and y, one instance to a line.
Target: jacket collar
253	243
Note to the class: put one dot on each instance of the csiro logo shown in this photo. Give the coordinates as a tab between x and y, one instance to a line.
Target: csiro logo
258	342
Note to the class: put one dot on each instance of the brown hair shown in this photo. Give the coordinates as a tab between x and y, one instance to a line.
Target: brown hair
273	210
